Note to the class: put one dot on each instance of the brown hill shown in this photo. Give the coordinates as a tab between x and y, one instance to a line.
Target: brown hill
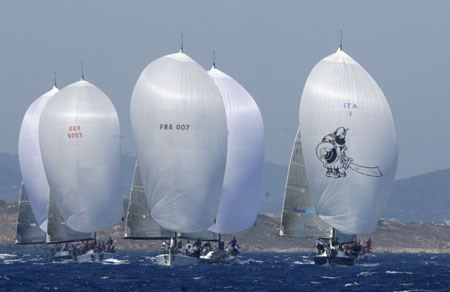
390	236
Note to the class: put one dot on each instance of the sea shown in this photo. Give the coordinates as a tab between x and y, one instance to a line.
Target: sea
136	271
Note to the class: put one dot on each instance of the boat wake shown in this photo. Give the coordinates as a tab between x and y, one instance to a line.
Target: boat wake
114	262
304	262
6	256
246	262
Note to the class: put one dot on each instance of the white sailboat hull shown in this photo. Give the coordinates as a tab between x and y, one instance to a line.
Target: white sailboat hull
177	259
62	255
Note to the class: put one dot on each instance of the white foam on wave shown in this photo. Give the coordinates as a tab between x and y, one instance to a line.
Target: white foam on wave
352	284
398	272
8	262
114	262
304	262
315	283
104	278
198	278
330	278
366	274
249	261
6	255
369	265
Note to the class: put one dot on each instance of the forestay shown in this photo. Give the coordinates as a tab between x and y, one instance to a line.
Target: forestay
299	218
28	231
179	128
241	194
80	145
349	144
30	159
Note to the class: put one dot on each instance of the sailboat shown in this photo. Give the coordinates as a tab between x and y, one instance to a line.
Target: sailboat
241	193
179	129
80	145
38	222
349	147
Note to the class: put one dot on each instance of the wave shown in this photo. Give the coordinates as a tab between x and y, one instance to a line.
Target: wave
246	262
114	262
6	255
398	272
366	273
304	262
352	284
330	278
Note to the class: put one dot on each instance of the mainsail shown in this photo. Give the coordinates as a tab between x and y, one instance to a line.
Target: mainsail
57	230
179	128
241	194
139	223
299	218
349	144
28	231
30	159
80	144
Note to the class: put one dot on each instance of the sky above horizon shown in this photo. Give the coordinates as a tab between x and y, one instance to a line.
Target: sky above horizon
268	46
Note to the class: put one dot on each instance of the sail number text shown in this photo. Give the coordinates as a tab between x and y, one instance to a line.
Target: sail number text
74	132
351	107
179	127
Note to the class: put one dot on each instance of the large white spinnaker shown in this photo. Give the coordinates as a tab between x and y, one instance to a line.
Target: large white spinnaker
80	145
349	144
241	194
30	159
179	128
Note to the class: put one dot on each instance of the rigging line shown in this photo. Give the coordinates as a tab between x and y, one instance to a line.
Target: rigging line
182	49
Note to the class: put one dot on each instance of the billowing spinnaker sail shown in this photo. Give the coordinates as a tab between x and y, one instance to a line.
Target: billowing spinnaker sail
30	159
299	217
80	145
349	144
239	203
179	128
28	231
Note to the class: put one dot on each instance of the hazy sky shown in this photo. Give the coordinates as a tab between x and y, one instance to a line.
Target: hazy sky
269	47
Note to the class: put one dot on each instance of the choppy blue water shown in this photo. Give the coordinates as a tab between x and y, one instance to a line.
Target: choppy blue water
134	271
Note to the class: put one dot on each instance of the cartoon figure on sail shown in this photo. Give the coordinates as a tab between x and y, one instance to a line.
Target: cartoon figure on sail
331	152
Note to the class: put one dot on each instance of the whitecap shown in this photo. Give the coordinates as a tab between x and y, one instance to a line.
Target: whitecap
352	284
104	278
315	283
398	272
250	261
114	262
7	262
369	265
303	262
198	278
331	278
366	273
6	255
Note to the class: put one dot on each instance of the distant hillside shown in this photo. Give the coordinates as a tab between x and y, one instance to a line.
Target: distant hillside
390	236
420	198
